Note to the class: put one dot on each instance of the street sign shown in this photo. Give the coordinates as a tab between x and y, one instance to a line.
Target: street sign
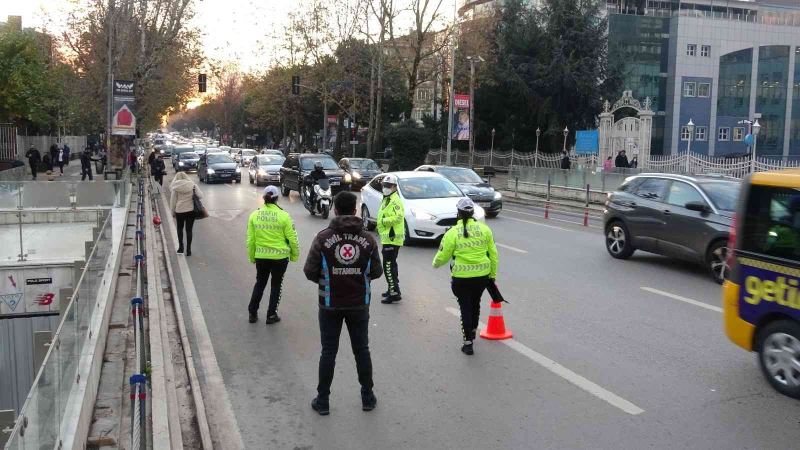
587	142
353	142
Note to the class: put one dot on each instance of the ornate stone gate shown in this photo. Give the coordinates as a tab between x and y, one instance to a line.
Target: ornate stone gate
631	134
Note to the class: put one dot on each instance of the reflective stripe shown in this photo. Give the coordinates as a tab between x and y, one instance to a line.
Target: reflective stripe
327	280
495	312
367	291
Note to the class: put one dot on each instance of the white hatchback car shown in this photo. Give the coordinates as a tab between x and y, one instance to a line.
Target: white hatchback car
429	201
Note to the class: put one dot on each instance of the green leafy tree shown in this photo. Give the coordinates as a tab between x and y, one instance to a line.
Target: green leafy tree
25	90
410	144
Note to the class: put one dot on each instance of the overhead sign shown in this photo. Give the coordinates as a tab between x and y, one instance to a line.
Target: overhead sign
123	122
587	142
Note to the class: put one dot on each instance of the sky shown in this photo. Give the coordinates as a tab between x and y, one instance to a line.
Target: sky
245	31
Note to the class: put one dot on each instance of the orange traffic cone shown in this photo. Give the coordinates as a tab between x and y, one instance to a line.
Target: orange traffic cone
496	329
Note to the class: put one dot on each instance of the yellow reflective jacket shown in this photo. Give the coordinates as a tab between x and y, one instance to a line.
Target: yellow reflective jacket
271	234
473	256
391	225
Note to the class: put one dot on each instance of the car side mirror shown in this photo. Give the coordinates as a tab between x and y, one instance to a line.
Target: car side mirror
697	206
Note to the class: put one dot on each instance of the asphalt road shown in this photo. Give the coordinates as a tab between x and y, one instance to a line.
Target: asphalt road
606	354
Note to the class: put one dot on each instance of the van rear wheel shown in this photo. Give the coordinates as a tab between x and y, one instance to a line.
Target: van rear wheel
778	347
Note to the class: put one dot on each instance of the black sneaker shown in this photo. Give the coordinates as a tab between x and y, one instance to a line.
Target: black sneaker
180	250
253	318
368	401
392	298
467	348
273	319
321	406
385	294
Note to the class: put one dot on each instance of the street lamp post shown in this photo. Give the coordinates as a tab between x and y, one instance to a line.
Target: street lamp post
536	153
756	129
452	86
471	60
566	133
491	150
690	128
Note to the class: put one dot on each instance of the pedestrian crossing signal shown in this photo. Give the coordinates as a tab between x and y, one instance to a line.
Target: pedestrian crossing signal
201	82
295	85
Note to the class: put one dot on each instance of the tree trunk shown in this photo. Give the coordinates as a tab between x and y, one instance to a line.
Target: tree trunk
376	144
371	123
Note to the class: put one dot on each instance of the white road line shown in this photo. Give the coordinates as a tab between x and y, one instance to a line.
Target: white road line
513	249
537	223
682	299
556	368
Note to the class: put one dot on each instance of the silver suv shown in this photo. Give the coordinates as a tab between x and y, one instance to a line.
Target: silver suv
685	217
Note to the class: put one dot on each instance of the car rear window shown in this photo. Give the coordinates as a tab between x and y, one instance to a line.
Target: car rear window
771	222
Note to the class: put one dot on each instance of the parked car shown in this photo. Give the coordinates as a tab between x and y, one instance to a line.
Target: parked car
218	167
298	165
361	170
244	156
475	187
272	151
185	162
429	200
266	169
685	217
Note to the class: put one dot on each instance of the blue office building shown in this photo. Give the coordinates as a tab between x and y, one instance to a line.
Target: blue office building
716	62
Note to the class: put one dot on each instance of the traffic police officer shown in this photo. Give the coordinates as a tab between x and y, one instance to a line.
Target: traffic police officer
271	244
470	245
391	229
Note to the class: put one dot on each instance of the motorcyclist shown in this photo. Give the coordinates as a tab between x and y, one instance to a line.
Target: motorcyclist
313	178
391	229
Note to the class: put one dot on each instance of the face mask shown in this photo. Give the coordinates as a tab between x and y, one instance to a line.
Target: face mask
387	191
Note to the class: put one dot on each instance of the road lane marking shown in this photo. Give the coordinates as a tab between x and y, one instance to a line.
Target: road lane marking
682	299
565	373
513	249
537	223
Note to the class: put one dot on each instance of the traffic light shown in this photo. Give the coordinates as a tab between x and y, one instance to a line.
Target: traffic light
295	84
201	82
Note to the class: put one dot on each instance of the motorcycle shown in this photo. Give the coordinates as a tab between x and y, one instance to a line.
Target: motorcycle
322	198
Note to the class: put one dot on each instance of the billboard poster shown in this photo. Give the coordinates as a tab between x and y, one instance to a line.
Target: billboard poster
32	289
123	123
587	142
461	125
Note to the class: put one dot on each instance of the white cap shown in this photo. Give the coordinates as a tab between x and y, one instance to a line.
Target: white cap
271	192
389	179
465	204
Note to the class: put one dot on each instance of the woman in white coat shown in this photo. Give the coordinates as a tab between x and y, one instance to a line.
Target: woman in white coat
182	205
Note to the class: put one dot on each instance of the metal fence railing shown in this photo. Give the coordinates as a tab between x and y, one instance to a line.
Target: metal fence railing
40	419
138	380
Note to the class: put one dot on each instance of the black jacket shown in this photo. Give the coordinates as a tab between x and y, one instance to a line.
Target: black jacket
621	161
316	175
566	163
157	167
86	160
343	260
33	156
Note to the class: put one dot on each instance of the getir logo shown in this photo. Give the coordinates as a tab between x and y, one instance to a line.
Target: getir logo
781	291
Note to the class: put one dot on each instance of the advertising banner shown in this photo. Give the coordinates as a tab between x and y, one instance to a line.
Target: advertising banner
333	124
123	123
587	142
32	289
461	125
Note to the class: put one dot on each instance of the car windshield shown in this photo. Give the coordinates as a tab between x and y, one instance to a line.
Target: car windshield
327	163
189	155
270	160
363	164
219	158
724	194
248	152
428	187
458	175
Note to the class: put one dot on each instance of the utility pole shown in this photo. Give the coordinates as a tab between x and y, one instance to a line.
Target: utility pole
471	109
324	122
109	56
452	88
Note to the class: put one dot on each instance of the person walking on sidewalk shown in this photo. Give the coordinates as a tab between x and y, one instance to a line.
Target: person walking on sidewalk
181	203
67	151
271	244
53	156
86	164
34	159
391	229
157	168
343	261
470	245
60	160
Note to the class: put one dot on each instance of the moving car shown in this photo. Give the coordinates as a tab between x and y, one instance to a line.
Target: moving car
429	200
185	162
218	167
361	170
244	156
178	149
266	169
298	165
685	217
475	187
760	296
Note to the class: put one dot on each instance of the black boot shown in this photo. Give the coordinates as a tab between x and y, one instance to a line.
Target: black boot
368	400
321	406
392	298
180	248
467	348
253	317
188	251
273	318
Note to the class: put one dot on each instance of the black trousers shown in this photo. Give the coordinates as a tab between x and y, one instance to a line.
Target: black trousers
265	268
86	171
389	253
159	178
33	169
468	291
330	327
61	166
185	220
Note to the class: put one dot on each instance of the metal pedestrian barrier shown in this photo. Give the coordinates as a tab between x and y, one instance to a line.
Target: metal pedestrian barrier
138	380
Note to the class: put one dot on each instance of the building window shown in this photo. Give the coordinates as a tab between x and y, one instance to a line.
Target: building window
738	134
691	49
689	88
700	133
705	51
723	134
704	90
685	134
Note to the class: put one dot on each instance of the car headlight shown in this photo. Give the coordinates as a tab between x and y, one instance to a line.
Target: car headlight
497	195
238	170
421	214
348	178
356	175
180	163
262	172
210	171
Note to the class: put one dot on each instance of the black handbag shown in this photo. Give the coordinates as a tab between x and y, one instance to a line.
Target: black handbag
200	211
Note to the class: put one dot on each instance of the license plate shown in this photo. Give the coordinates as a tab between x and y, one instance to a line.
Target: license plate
225	175
484	204
334	183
